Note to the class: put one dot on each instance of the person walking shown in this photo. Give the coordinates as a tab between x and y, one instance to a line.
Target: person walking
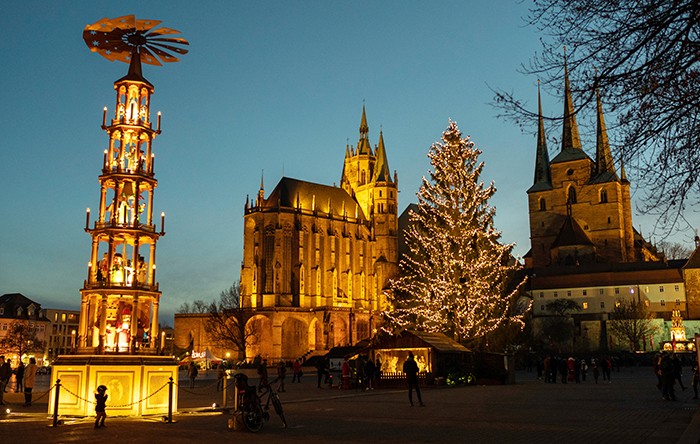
321	369
584	369
296	368
547	369
657	370
281	373
28	382
19	374
604	367
192	373
678	370
100	406
360	373
378	372
563	370
410	369
577	370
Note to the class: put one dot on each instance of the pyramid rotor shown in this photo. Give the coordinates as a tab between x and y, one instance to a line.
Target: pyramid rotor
124	38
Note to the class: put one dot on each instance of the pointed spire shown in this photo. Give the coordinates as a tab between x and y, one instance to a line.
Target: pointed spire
543	170
135	73
381	167
570	137
603	156
262	177
623	176
363	146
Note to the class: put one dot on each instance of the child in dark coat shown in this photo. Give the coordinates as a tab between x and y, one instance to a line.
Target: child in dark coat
100	404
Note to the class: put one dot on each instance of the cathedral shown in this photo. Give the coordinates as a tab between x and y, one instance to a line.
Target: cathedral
317	259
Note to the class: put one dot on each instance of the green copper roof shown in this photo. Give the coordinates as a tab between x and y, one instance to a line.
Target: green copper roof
543	172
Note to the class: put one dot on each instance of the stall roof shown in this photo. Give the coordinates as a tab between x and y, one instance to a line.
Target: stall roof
415	339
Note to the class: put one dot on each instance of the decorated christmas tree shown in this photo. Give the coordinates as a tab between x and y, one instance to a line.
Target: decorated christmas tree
455	278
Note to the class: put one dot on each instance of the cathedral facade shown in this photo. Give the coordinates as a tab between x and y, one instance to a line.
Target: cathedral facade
317	259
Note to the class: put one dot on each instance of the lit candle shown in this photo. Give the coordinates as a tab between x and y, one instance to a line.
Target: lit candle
87	219
162	222
104	117
153	159
158	121
73	338
105	163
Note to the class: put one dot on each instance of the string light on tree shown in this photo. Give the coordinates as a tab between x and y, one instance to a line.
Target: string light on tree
455	278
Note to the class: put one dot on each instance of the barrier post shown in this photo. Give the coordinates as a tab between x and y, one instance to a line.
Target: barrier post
55	403
170	400
225	384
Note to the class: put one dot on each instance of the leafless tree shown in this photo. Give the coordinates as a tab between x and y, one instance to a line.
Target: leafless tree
198	306
674	250
632	320
648	70
227	322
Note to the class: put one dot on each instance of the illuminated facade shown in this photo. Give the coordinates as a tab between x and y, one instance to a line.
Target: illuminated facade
317	259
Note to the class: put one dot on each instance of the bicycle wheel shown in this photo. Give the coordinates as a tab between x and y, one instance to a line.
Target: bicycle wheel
278	408
252	417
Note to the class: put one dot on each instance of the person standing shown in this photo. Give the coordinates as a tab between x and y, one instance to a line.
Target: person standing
346	374
369	373
281	373
321	369
596	373
296	368
5	374
667	377
29	376
220	377
378	372
192	373
19	374
262	373
604	367
360	373
410	369
100	406
584	369
2	379
696	377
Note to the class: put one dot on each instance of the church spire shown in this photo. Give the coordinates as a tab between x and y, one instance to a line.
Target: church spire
603	156
363	146
543	171
570	137
381	168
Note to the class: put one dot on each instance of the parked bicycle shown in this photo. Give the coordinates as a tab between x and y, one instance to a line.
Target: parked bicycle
253	410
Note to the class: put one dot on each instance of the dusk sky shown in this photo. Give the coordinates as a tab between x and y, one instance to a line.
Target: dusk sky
267	85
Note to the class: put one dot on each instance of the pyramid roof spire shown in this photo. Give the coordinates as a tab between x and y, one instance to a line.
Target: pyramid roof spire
363	146
605	167
570	140
381	167
543	171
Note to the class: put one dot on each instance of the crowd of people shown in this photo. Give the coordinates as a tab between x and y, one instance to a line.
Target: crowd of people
553	368
668	368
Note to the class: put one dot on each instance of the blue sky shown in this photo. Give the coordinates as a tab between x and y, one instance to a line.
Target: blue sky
273	85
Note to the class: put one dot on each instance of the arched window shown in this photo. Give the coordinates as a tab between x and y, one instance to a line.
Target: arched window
603	196
543	205
571	197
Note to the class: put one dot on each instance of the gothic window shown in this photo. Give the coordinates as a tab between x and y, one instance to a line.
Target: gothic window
269	261
362	285
571	198
318	281
335	283
302	280
603	196
287	263
362	177
350	285
543	205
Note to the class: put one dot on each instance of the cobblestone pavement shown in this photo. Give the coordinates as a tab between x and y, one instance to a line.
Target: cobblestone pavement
628	410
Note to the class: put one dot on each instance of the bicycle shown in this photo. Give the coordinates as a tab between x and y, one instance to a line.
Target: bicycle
253	411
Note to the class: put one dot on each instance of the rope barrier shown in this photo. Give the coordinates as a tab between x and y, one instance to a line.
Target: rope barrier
33	399
115	406
200	388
